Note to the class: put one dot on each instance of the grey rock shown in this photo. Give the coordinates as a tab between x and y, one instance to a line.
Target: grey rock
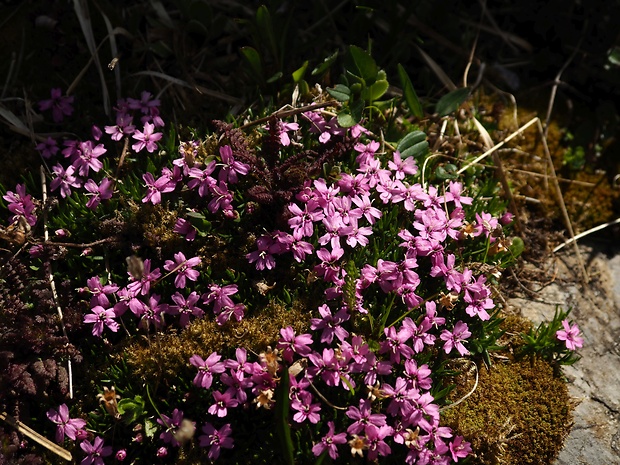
594	381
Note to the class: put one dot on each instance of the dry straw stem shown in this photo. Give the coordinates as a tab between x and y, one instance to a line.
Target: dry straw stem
473	389
586	233
51	279
32	434
554	178
183	83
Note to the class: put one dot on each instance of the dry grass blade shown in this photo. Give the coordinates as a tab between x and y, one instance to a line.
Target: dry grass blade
586	233
500	144
501	174
440	73
52	282
32	434
486	137
12	120
114	51
182	83
81	10
558	192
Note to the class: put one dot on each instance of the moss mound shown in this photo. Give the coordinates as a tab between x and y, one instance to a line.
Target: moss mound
520	413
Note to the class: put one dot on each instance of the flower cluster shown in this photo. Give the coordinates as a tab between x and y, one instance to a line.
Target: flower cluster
390	259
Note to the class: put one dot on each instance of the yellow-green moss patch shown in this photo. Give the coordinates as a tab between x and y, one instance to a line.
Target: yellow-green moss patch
520	413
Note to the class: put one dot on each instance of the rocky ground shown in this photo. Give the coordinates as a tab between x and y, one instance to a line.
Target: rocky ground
594	381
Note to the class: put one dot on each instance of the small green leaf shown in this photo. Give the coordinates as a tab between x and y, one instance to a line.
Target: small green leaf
447	171
413	144
253	58
281	413
350	116
286	297
131	409
327	63
275	77
150	428
375	91
409	93
298	74
360	64
345	119
450	102
517	247
341	92
613	56
265	29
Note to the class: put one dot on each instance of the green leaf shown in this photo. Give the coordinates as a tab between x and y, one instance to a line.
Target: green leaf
150	428
360	64
321	458
448	171
283	428
327	63
375	91
409	93
275	77
131	409
265	29
341	92
298	74
451	101
413	144
253	58
351	115
517	247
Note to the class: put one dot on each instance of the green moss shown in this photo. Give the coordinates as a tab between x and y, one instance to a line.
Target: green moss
166	356
520	412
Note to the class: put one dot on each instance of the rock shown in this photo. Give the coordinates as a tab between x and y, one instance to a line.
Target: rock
594	381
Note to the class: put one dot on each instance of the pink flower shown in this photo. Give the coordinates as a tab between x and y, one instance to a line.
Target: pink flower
145	104
570	335
230	167
123	126
262	256
206	369
456	338
66	426
216	439
88	158
222	403
363	417
330	324
60	106
329	441
459	448
95	452
47	148
64	180
183	268
100	192
100	317
171	425
185	228
146	139
289	343
306	410
402	167
21	204
282	129
185	307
